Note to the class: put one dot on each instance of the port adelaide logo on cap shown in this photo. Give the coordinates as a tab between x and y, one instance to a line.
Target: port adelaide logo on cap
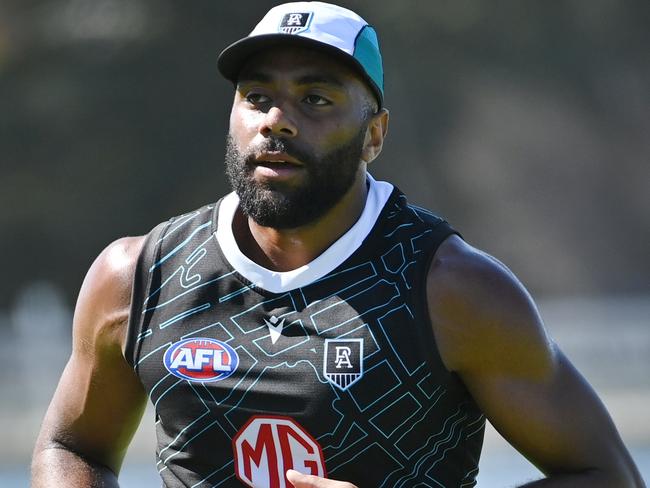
201	359
296	22
343	361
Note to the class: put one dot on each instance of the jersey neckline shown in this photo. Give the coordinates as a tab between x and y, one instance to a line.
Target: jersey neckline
283	281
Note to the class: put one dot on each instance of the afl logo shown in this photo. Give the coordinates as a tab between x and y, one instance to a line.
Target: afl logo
201	359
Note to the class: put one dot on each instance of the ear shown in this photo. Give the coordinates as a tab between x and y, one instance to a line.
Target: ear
375	134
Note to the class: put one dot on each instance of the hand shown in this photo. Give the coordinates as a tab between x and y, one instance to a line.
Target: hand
299	480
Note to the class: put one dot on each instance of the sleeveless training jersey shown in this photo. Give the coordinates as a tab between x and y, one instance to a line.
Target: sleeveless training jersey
330	369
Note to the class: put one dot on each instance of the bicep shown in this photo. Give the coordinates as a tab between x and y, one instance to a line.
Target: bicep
489	332
99	400
556	421
96	408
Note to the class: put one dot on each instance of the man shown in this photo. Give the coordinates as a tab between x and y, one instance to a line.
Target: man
313	324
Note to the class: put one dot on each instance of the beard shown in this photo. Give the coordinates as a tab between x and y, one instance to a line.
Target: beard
274	204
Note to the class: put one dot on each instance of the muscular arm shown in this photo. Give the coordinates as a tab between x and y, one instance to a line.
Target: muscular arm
99	401
489	332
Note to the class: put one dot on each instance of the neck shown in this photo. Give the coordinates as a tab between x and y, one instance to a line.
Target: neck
289	249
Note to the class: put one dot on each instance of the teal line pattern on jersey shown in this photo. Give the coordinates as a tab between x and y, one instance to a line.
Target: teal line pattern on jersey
202	329
330	471
190	256
188	280
372	335
481	421
390	234
397	385
144	334
223	479
207	412
428	395
329	276
244	375
348	447
155	405
153	352
423	417
471	477
406	283
157	384
180	246
356	283
160	305
235	293
387	435
261	373
184	280
180	223
444	452
387	335
344	439
184	314
180	450
414	238
362	313
432	451
417	210
157	290
384	256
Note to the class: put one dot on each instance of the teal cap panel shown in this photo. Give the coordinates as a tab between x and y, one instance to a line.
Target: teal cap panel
366	52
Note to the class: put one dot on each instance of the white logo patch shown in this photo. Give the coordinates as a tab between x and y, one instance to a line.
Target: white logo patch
343	361
296	22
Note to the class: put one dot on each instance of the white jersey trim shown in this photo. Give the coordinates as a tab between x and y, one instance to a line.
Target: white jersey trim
333	256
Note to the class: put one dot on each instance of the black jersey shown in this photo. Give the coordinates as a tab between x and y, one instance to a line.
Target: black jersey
331	370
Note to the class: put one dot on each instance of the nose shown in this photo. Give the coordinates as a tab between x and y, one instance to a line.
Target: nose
277	122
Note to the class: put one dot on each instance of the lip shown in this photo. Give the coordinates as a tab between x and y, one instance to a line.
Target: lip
277	157
276	165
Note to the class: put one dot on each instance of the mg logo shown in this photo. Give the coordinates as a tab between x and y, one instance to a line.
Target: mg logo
267	446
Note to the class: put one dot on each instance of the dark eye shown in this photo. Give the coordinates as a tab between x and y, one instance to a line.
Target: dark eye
257	98
316	100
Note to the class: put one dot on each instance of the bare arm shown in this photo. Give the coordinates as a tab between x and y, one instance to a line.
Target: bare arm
489	332
99	401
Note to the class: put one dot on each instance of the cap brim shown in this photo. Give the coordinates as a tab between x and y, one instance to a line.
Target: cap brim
233	58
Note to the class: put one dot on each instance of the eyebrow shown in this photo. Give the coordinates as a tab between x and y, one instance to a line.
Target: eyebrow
320	80
315	79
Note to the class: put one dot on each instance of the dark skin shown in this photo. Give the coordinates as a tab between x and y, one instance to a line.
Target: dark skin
486	325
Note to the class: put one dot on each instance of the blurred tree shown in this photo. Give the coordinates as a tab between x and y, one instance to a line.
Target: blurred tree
525	123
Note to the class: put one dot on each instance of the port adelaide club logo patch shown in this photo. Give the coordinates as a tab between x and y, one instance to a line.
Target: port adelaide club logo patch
201	359
343	361
296	22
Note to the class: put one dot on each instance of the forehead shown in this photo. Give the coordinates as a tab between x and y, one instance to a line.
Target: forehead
296	62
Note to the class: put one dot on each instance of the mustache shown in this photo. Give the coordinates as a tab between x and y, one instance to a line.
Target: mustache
274	144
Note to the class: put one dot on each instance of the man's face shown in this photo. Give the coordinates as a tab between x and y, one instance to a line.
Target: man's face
297	131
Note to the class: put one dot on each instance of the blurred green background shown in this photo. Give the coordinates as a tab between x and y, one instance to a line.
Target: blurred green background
525	123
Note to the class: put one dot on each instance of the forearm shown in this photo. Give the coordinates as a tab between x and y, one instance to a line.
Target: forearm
56	466
588	479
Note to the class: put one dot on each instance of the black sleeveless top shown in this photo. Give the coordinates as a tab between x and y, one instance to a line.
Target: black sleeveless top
340	377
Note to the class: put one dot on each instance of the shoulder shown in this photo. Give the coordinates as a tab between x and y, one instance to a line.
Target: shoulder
112	271
104	300
482	315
